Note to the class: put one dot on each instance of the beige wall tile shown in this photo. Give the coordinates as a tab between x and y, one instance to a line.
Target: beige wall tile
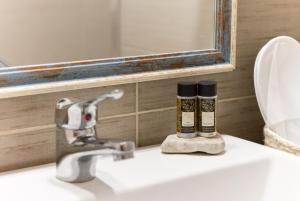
27	149
38	110
156	126
162	93
118	128
36	146
239	118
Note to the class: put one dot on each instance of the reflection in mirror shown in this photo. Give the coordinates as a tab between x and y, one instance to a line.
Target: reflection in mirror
38	32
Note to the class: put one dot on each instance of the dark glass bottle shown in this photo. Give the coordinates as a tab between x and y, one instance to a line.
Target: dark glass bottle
187	109
207	101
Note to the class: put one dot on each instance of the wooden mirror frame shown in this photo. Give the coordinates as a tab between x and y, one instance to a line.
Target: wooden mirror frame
46	78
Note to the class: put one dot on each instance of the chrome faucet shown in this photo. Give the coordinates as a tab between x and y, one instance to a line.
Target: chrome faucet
77	144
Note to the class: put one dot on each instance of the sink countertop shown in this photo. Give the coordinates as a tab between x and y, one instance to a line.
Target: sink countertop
150	170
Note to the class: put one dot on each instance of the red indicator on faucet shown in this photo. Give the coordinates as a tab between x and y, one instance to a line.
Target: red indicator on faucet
88	117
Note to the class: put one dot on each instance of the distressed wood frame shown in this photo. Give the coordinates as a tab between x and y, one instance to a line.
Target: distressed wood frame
38	79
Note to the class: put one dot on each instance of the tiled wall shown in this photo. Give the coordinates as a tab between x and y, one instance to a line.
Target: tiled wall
147	112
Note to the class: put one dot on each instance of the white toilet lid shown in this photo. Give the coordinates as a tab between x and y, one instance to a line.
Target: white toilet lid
277	83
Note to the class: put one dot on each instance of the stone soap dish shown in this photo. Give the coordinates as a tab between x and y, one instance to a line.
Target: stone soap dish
175	145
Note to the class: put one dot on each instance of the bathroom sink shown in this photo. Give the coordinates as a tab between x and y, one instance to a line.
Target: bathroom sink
245	172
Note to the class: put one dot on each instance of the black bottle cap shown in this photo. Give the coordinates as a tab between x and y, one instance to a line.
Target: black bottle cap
187	89
207	88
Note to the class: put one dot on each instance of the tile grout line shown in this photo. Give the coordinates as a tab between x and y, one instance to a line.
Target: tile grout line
157	110
174	107
25	130
236	99
117	116
137	114
50	126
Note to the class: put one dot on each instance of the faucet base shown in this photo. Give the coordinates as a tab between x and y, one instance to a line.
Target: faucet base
75	181
76	169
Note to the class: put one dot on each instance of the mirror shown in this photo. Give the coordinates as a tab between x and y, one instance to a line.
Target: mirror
38	32
75	39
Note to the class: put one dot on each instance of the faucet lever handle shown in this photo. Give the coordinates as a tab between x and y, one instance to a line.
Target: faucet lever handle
83	114
115	95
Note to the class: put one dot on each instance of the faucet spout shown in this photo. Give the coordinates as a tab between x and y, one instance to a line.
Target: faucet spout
120	150
81	166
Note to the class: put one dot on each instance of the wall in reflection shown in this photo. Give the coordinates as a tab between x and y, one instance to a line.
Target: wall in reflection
160	26
48	31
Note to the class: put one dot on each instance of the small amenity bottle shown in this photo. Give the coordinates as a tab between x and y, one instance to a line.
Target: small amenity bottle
207	101
187	109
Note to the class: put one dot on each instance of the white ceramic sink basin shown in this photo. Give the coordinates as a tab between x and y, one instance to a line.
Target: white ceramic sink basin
245	172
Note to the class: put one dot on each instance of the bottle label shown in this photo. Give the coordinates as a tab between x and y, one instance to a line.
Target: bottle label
207	115
188	119
186	115
208	118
